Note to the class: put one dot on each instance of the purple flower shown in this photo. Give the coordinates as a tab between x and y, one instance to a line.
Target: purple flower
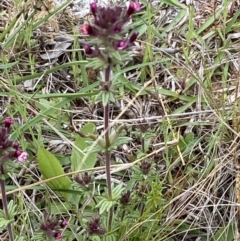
16	145
125	198
86	29
8	122
94	227
118	28
145	167
93	7
88	50
57	235
108	21
122	45
84	180
143	126
22	156
64	223
133	37
51	227
133	7
108	28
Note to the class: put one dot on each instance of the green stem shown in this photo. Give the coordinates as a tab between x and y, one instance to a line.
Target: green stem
4	203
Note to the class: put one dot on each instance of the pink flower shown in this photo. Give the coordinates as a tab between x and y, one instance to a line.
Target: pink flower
133	7
86	29
22	156
122	45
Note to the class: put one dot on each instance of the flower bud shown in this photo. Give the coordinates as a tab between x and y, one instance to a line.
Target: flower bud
118	28
133	37
145	167
88	50
133	7
125	198
8	122
16	145
64	223
57	235
93	7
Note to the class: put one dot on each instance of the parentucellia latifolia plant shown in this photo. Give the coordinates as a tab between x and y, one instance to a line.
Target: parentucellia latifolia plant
9	151
109	46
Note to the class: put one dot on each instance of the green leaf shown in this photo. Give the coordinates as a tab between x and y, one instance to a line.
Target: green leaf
175	21
20	238
11	209
105	98
229	26
8	65
184	107
78	150
141	29
105	205
174	3
225	233
4	222
189	137
168	92
95	238
117	191
50	167
210	21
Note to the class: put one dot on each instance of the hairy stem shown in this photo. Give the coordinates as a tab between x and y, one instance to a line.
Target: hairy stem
4	203
107	152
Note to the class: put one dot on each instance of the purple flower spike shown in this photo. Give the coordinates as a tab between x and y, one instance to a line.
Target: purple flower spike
8	122
94	227
22	156
133	7
93	7
133	37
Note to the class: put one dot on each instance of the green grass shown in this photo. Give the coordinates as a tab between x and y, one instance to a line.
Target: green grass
187	98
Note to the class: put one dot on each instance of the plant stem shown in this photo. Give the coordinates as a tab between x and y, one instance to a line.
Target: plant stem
107	131
4	203
107	141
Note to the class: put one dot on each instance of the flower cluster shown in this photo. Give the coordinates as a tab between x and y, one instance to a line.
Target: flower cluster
94	227
125	198
52	227
9	149
143	126
84	180
108	26
145	167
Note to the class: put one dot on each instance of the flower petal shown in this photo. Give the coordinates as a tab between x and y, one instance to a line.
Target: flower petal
22	156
